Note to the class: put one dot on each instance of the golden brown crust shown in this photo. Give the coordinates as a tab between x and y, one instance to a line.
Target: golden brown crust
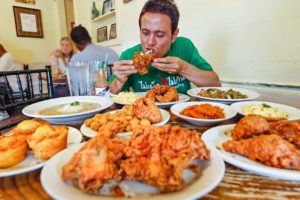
141	62
163	94
46	141
13	150
28	126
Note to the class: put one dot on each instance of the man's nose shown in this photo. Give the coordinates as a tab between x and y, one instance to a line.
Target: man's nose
152	40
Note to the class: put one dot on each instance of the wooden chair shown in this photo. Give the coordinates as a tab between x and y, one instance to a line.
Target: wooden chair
12	99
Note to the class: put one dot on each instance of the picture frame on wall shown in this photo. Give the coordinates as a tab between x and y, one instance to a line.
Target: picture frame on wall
102	34
28	22
107	7
26	1
113	31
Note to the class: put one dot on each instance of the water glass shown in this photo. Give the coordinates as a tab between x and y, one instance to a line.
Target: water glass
78	78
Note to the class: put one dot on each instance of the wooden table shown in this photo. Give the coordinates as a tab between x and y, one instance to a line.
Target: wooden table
236	184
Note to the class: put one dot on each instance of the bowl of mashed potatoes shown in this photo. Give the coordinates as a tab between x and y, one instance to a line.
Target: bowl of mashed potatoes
267	109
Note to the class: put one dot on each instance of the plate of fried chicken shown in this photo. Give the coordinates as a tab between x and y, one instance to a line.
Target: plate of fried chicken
163	96
269	148
167	162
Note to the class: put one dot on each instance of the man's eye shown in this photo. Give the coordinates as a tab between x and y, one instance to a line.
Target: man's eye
160	35
145	33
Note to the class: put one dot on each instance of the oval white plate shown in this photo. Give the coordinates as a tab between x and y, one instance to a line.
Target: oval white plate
34	109
251	94
177	108
30	163
88	132
210	176
215	137
293	113
182	98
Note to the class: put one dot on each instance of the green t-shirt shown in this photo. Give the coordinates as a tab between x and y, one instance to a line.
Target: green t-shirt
182	48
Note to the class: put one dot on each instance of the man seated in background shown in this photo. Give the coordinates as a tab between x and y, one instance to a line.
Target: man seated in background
177	62
88	50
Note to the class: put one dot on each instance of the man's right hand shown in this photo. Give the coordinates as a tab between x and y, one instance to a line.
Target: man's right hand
122	69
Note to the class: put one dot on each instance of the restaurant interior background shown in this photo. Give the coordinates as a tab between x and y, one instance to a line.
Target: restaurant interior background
254	42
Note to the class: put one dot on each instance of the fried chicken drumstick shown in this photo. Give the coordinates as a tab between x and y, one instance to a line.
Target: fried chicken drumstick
271	150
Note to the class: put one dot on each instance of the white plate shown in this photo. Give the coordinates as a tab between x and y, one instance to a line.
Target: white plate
88	132
209	178
251	94
30	163
177	108
293	113
34	109
215	137
182	98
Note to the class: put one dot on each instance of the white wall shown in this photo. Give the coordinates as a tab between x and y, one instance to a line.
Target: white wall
26	49
256	41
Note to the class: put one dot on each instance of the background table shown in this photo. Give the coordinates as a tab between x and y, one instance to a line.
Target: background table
236	184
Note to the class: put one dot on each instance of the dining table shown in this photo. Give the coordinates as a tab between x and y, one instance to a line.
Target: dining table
236	183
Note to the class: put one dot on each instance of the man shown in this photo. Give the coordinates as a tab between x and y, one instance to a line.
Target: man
88	50
178	62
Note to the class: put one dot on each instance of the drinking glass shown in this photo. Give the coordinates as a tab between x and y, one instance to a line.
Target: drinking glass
78	78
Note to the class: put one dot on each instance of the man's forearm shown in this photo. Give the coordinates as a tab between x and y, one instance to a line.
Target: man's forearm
116	86
200	77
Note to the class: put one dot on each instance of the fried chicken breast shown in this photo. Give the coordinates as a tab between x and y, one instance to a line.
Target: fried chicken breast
271	150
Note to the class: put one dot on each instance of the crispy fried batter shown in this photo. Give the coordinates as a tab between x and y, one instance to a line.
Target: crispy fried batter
250	126
163	94
289	131
271	150
203	111
95	163
158	155
142	60
144	108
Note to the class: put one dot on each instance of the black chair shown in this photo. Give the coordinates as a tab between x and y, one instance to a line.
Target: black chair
12	99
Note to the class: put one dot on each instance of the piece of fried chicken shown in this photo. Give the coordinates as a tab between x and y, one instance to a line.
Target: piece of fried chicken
95	163
145	108
158	155
270	150
288	130
163	94
249	126
142	60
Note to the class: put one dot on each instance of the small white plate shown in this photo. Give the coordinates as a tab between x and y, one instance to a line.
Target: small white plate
293	113
33	110
30	163
198	184
251	94
182	98
177	108
90	133
215	137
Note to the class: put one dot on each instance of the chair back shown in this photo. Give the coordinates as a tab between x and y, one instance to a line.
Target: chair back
23	94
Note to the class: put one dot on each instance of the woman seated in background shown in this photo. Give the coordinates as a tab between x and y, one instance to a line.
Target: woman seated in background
60	57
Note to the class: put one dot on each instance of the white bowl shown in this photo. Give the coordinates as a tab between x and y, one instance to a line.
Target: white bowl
250	93
293	113
33	110
228	112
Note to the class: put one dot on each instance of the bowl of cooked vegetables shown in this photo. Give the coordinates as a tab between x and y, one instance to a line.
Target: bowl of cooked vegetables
225	95
203	113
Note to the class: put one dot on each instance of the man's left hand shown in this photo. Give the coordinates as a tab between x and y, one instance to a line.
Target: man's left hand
169	64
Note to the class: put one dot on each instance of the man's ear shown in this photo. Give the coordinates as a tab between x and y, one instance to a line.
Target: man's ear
175	34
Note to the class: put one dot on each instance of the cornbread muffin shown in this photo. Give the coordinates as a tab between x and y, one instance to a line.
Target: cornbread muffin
46	141
28	126
13	150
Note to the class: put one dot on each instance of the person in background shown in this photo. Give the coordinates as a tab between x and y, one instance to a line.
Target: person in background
61	57
178	61
88	50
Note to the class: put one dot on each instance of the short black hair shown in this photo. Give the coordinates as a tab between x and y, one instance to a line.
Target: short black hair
80	35
167	7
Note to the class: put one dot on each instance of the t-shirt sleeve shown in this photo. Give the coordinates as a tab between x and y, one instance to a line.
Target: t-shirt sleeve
124	56
195	58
